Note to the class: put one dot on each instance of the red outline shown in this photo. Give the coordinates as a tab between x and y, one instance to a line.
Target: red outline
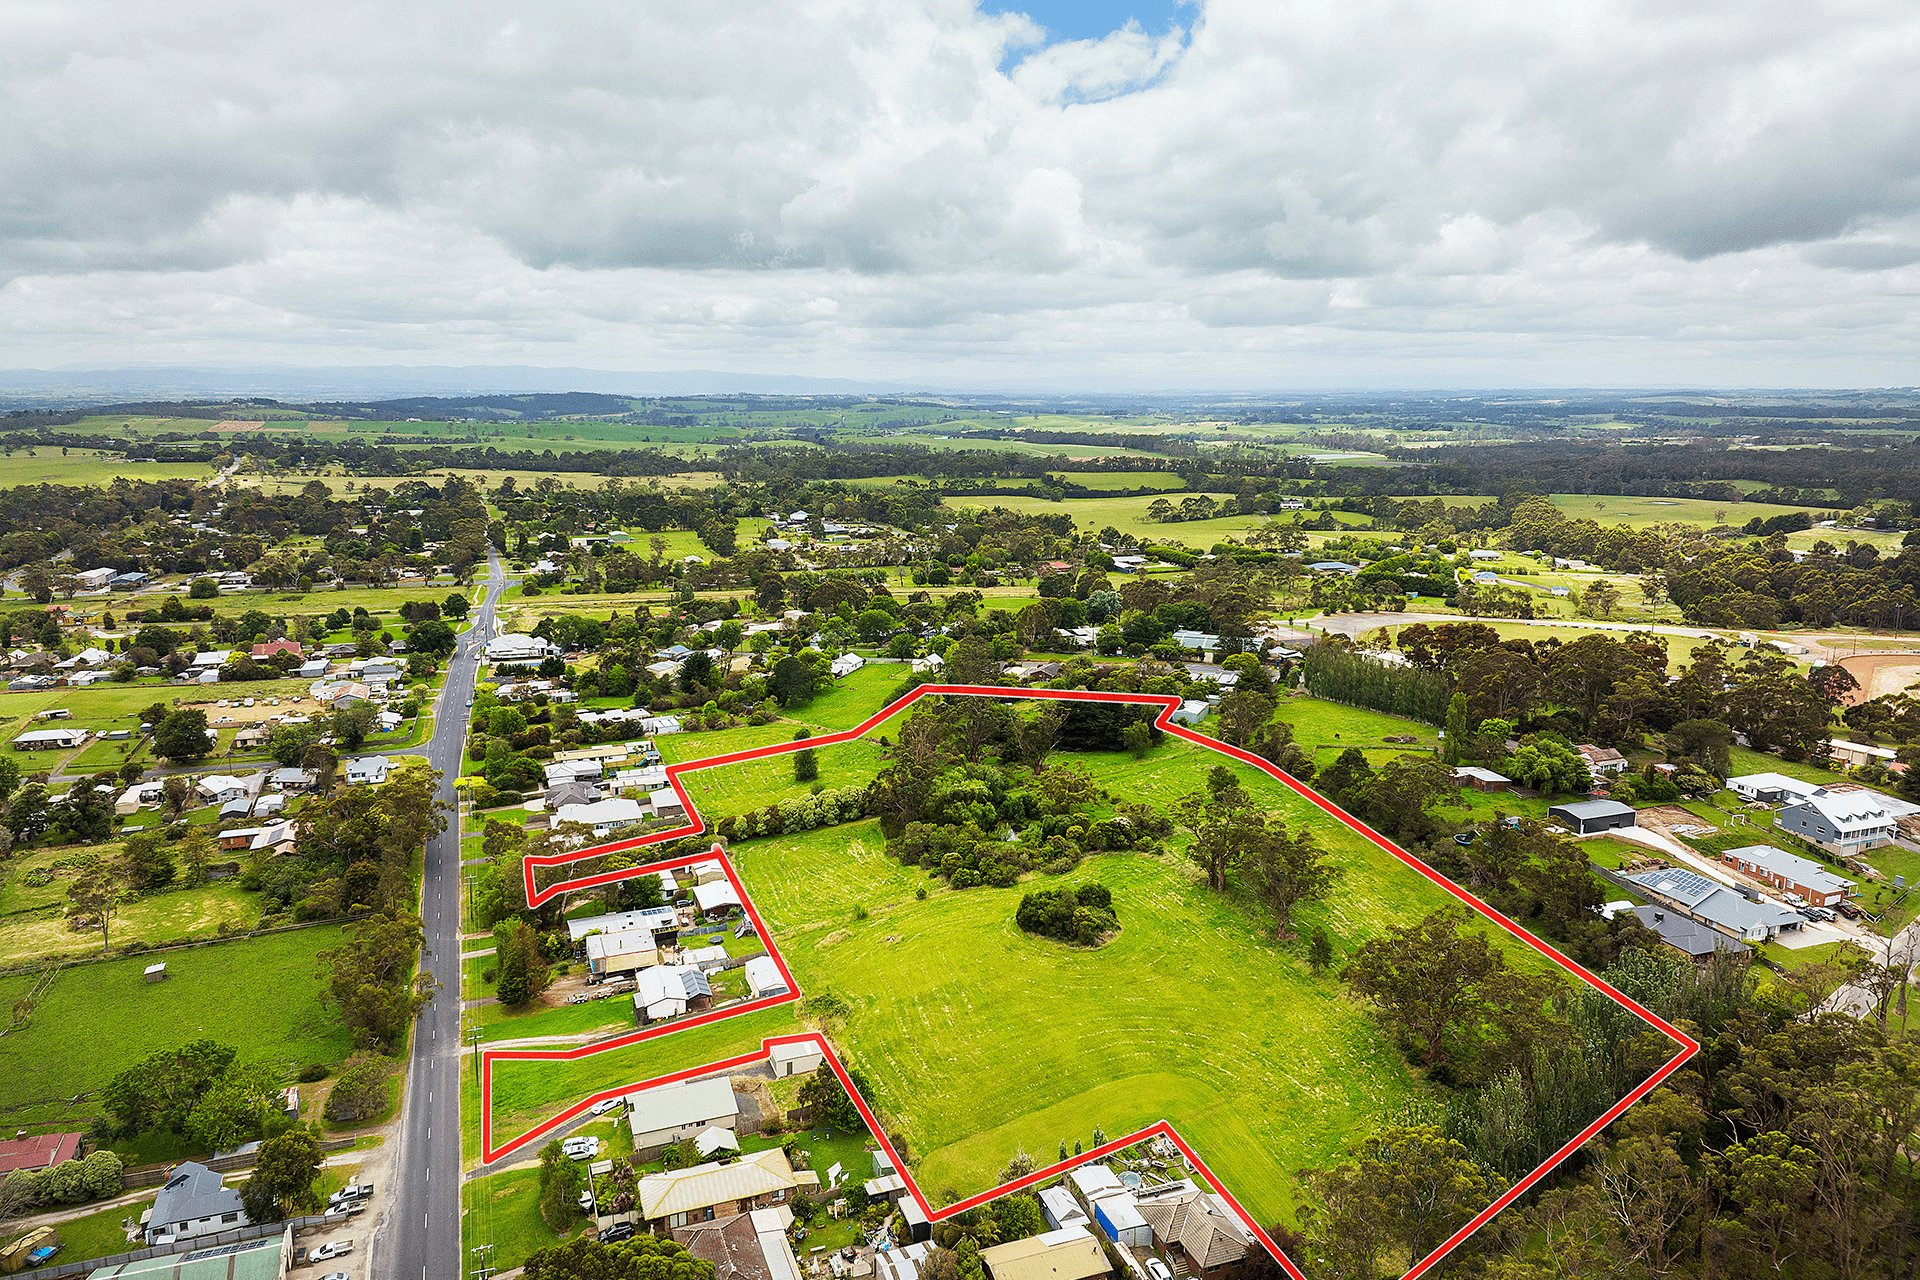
1168	703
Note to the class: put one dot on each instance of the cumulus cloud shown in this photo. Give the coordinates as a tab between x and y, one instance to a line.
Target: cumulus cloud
882	188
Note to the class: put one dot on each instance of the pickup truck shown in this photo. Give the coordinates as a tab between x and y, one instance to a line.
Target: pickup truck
328	1252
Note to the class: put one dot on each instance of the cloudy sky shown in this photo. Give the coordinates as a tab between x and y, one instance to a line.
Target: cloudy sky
1230	193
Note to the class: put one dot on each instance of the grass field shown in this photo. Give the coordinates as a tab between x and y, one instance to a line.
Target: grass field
44	465
261	994
173	916
1129	516
981	1040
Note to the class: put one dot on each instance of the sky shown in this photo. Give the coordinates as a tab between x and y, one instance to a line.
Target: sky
1222	193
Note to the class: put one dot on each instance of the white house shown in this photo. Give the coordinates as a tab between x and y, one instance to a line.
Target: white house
662	1116
512	647
219	788
604	816
194	1202
846	664
49	739
365	771
715	898
667	991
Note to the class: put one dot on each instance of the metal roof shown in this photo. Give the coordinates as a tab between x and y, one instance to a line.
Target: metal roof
673	1106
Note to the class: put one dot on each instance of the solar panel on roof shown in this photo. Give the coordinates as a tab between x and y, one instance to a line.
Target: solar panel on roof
1679	883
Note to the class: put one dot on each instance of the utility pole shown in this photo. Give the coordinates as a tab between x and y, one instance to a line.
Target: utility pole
474	1036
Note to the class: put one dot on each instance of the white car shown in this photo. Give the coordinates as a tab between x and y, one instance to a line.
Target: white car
327	1252
603	1106
1157	1270
581	1148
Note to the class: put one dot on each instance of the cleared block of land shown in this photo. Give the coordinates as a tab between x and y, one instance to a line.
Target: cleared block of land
261	994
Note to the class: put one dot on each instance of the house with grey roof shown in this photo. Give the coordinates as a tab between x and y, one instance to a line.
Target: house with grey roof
670	1113
1716	905
194	1201
1790	872
1843	824
1686	935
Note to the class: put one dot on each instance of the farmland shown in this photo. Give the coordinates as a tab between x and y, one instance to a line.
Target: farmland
259	993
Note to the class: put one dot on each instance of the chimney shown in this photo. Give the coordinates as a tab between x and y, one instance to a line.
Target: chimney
1659	915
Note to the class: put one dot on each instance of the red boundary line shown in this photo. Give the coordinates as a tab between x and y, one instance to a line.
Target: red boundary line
1168	704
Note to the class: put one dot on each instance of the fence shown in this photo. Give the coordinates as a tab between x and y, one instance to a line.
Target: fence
215	1240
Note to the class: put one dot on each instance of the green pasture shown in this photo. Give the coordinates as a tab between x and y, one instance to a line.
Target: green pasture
44	465
261	994
1129	516
172	915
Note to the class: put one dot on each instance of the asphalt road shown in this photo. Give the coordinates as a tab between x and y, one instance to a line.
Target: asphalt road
420	1235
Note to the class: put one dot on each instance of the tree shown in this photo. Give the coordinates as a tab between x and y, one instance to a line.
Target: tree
369	979
95	894
805	767
1426	978
203	589
559	1189
182	736
284	1171
236	1106
1221	819
1409	1184
149	861
642	1258
791	682
352	723
456	606
29	812
823	1094
361	1089
161	1090
522	972
1286	870
1320	949
432	636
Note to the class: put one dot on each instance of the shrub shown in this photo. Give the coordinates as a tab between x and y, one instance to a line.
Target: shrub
1072	915
314	1072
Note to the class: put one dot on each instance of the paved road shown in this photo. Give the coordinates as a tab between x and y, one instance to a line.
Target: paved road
420	1235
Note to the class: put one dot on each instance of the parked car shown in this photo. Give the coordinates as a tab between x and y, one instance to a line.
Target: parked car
1816	913
328	1252
1848	910
605	1105
334	1275
617	1232
1157	1270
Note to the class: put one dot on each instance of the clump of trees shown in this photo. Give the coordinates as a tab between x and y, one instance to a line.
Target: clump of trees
1232	837
1082	915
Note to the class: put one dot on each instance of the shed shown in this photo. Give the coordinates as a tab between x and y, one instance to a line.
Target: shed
1480	779
795	1059
155	972
1586	817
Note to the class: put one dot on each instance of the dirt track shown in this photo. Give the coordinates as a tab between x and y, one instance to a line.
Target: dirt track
1882	673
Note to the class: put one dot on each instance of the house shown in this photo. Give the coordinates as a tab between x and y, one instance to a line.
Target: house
292	779
194	1201
345	695
708	960
1071	1253
219	788
265	1258
1842	824
662	1116
137	796
211	659
764	978
604	816
1196	640
1585	817
1790	872
1771	788
1196	1227
623	952
715	898
237	838
49	739
271	647
1855	754
518	648
655	726
1483	555
795	1059
564	771
931	663
570	793
1711	903
1601	759
706	1192
365	771
846	664
669	990
1334	566
745	1246
1690	938
1480	779
94	579
252	737
660	921
38	1151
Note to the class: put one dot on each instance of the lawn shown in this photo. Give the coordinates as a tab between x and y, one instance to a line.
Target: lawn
259	993
504	1211
100	1234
